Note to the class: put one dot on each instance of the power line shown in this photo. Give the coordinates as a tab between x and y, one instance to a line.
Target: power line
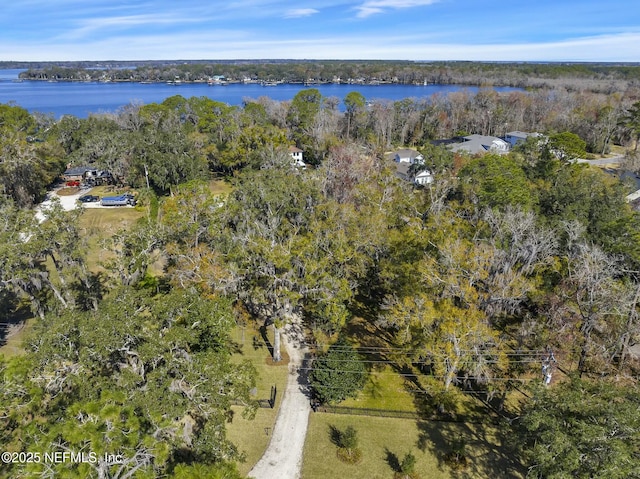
404	351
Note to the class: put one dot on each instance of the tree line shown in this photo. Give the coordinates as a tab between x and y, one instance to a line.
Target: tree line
598	77
182	139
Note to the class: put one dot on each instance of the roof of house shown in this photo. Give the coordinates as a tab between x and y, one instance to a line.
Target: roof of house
480	144
447	141
407	153
519	134
295	149
402	171
78	170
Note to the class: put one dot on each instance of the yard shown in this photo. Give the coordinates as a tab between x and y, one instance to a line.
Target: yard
99	224
13	331
252	436
385	441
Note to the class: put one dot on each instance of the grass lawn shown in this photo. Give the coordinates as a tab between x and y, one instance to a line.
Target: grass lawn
617	150
385	389
97	224
13	334
68	191
108	190
107	221
385	441
399	387
251	436
220	187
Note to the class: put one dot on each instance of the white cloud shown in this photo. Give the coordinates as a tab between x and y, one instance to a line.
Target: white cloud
372	7
88	26
300	12
236	43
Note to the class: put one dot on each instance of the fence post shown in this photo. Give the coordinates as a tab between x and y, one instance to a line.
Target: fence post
272	399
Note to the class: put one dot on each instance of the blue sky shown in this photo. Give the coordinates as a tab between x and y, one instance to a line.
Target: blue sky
544	30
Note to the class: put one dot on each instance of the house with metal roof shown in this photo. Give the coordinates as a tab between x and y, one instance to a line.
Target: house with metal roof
475	144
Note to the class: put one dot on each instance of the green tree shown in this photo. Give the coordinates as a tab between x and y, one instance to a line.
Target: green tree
335	255
149	378
454	342
631	121
495	181
25	247
301	119
266	216
16	119
354	104
303	110
338	374
567	146
190	221
27	167
347	442
597	201
582	429
169	156
133	251
408	466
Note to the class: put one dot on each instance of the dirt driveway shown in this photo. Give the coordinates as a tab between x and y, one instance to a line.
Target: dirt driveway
283	457
68	203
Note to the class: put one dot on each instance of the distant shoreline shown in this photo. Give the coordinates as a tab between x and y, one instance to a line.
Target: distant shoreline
594	77
237	82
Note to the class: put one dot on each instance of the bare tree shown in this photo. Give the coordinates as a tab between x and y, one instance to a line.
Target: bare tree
594	293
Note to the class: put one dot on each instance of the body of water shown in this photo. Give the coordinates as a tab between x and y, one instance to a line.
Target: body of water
83	98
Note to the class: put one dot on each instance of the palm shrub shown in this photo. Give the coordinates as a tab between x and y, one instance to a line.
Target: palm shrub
347	442
407	468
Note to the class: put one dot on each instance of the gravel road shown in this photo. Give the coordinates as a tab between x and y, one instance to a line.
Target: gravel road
283	457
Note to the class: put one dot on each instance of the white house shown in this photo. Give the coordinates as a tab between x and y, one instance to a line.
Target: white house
424	177
407	155
297	155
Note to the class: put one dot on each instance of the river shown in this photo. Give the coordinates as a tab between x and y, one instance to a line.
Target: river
83	98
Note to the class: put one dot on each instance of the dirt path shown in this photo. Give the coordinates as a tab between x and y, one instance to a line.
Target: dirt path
67	202
283	457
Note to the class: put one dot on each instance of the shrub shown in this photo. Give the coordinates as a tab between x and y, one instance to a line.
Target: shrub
347	442
339	374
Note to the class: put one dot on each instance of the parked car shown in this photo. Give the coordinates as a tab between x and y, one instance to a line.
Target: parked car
88	199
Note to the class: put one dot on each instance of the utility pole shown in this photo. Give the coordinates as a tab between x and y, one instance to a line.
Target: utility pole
548	365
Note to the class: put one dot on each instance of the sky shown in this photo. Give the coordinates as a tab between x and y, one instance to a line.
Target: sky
422	30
